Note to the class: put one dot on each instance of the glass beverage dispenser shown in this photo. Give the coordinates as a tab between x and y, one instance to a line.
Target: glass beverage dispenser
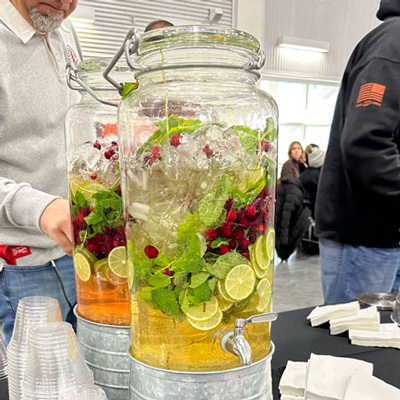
95	196
198	170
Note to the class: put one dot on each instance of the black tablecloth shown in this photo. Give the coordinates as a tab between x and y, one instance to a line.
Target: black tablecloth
295	340
3	389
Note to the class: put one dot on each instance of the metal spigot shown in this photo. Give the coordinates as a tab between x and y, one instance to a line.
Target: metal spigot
234	342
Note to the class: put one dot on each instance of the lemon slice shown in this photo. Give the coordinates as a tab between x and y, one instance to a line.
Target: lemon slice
207	324
83	267
203	311
239	282
117	261
222	292
260	253
264	294
130	274
270	243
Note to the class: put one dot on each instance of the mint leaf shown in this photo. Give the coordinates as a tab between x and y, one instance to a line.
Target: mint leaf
248	138
198	279
128	87
192	259
212	283
158	280
203	292
271	132
166	301
161	260
212	205
186	229
225	263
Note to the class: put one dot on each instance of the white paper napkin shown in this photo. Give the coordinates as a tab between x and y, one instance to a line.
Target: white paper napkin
365	319
320	315
368	387
293	380
289	397
387	336
327	376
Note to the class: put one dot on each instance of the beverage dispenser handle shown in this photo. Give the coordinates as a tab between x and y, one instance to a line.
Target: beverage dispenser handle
234	342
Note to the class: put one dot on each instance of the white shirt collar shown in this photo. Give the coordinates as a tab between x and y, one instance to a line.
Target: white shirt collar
16	23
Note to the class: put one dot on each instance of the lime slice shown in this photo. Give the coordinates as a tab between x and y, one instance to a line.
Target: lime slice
203	311
239	282
207	324
83	266
260	273
117	261
260	253
270	243
130	274
100	269
264	294
225	305
115	279
222	292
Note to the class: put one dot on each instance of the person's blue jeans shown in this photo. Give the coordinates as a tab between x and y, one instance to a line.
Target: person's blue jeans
17	282
348	270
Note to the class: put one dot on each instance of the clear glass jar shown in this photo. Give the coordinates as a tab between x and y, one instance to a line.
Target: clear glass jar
95	198
198	170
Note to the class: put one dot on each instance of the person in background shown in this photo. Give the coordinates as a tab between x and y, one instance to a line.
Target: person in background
295	164
36	42
157	25
358	198
315	158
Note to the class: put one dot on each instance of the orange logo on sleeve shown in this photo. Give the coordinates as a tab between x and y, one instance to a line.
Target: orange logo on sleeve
370	94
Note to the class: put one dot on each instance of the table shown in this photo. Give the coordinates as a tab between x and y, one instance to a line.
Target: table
295	340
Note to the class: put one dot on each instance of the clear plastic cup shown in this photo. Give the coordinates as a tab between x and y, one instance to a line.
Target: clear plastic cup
31	312
87	392
54	362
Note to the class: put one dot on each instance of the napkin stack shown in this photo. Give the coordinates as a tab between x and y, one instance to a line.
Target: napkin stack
388	335
333	378
323	314
366	319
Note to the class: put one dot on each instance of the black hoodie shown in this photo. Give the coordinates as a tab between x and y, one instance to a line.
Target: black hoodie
358	201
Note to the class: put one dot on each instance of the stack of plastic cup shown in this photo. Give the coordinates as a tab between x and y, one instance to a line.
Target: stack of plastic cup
87	392
31	312
54	363
3	359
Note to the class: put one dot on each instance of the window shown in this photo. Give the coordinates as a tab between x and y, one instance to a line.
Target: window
305	113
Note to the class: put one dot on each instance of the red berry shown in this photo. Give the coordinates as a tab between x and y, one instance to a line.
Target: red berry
258	203
224	249
250	211
252	236
155	153
97	145
228	204
91	208
106	229
115	243
244	222
168	272
244	243
91	247
232	244
175	140
238	233
225	231
264	193
151	251
264	214
209	153
93	176
210	234
261	229
245	254
231	215
209	248
107	154
266	146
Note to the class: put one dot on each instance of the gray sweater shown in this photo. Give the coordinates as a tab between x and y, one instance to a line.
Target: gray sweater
34	98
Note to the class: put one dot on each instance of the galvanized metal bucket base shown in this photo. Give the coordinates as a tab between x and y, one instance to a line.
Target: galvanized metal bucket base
245	383
104	349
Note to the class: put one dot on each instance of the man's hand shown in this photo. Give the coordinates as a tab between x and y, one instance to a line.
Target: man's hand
56	224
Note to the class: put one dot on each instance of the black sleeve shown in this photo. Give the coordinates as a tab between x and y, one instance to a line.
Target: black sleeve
369	144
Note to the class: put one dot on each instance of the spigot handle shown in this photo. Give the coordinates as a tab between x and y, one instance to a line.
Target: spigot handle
267	317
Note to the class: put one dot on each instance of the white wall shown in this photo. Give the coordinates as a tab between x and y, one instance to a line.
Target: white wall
342	23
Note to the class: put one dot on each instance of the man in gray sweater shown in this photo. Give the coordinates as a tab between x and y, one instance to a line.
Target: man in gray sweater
35	233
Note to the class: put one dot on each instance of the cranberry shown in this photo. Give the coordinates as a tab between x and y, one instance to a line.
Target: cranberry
91	247
244	222
106	229
252	236
210	234
168	272
228	204
97	145
148	160
175	140
238	233
107	154
155	153
209	248
114	144
261	229
225	231
93	176
258	203
151	251
208	152
224	249
232	244
240	214
244	243
266	146
245	254
91	208
120	230
264	193
231	215
250	211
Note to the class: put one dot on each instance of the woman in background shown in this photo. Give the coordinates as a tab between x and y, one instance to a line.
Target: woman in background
295	165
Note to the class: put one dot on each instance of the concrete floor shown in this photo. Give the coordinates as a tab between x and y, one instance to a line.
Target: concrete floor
297	283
